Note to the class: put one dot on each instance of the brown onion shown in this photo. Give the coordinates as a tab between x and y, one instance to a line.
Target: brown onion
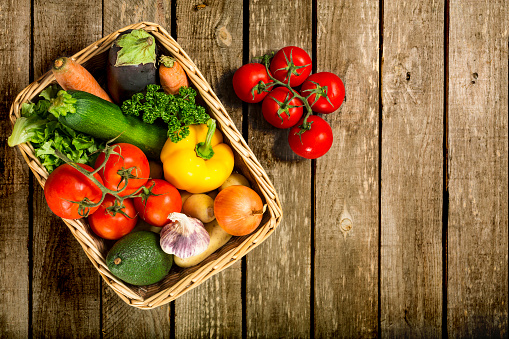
238	210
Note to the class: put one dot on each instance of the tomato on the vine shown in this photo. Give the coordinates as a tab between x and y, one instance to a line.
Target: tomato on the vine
66	187
293	61
314	142
155	206
250	82
111	220
281	109
130	163
325	90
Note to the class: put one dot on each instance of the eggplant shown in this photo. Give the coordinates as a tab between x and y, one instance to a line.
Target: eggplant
131	64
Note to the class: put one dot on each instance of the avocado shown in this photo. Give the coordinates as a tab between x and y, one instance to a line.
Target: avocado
138	259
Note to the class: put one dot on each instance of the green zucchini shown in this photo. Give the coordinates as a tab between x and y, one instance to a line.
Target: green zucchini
104	120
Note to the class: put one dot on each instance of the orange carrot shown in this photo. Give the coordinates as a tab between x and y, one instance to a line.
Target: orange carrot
73	76
171	75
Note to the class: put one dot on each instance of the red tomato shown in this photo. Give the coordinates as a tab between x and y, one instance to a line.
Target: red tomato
249	81
291	60
323	86
281	109
65	185
314	142
109	222
154	209
132	163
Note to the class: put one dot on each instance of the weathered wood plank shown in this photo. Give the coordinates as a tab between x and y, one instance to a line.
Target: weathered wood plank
213	309
412	169
478	189
66	294
118	15
123	321
14	177
120	319
278	276
346	264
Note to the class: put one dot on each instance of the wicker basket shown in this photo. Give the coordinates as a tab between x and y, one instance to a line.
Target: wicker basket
179	280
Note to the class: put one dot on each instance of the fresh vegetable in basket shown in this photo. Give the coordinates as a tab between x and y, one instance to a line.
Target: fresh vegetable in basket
125	170
177	111
321	92
138	259
218	238
184	236
199	206
47	135
200	162
104	120
171	75
239	210
156	201
66	187
80	120
113	219
131	64
72	76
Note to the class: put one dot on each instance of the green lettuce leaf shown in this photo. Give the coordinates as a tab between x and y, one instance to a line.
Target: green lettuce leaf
137	47
25	129
42	129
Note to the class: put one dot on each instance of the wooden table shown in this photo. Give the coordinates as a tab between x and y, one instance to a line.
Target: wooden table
419	166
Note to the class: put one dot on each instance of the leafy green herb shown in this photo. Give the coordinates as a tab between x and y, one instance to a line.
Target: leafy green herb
42	129
178	111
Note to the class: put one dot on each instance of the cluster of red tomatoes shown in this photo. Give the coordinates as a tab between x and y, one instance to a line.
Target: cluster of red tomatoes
112	206
290	95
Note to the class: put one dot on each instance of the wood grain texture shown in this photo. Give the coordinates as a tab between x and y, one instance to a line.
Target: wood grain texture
14	178
212	37
412	169
66	293
120	14
478	187
62	29
278	276
346	263
119	319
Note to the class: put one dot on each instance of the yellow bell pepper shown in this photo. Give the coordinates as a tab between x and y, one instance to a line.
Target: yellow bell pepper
185	163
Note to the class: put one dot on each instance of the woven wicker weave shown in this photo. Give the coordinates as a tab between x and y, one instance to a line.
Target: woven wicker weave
179	281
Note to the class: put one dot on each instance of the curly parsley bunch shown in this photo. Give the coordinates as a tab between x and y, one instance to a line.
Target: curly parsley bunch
178	111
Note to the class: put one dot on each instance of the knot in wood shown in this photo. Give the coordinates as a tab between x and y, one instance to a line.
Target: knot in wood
224	38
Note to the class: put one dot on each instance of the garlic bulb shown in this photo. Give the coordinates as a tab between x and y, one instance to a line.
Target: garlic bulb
184	236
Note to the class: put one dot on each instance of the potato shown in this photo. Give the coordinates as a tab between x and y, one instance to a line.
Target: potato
199	206
235	179
156	169
184	195
218	238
